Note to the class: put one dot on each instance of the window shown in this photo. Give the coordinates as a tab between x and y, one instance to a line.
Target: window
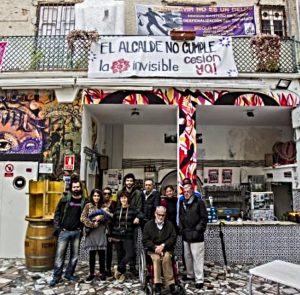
273	20
54	20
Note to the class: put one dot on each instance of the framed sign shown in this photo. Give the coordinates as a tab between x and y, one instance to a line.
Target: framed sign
213	176
227	176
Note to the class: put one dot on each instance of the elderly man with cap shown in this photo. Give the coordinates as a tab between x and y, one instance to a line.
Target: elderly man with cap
160	238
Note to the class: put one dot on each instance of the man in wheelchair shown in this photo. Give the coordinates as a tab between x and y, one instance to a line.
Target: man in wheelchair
159	238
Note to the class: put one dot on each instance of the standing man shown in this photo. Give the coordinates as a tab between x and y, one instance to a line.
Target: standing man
134	195
192	223
135	200
151	199
68	229
160	238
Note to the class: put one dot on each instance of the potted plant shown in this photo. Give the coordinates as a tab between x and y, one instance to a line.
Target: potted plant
81	35
266	48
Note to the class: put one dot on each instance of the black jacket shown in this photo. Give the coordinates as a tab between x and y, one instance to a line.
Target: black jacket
135	198
192	220
150	204
122	223
62	209
152	236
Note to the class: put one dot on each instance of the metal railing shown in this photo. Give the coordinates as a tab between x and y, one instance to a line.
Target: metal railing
51	53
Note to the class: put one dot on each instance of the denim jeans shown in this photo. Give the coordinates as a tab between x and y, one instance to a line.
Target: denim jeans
65	239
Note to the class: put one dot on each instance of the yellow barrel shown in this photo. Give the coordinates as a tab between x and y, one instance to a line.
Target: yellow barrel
40	245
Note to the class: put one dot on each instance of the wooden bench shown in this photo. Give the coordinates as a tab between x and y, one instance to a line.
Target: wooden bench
278	271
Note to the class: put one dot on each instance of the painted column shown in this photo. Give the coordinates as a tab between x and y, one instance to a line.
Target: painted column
187	151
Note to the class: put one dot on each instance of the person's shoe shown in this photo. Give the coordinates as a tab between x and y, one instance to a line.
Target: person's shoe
173	289
90	278
121	278
54	282
157	289
103	277
117	274
187	279
72	278
199	285
134	271
108	273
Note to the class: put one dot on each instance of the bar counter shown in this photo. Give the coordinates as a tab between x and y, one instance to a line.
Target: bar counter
253	242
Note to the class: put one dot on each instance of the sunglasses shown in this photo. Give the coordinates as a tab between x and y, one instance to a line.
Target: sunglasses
107	194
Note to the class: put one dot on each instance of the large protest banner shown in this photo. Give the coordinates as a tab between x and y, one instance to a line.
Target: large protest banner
205	20
161	57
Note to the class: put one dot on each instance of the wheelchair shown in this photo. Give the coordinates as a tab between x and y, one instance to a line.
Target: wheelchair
146	274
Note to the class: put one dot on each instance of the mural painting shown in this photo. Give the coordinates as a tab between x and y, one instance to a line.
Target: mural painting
187	101
32	122
24	127
64	135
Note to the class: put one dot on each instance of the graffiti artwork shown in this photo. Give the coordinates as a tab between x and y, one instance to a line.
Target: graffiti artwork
32	122
23	124
64	135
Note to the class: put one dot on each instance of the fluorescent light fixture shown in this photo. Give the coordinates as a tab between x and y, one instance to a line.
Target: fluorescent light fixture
283	84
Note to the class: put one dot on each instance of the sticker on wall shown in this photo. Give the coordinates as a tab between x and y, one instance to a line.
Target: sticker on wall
213	176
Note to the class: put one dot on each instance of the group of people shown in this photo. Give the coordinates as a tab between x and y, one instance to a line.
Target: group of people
105	223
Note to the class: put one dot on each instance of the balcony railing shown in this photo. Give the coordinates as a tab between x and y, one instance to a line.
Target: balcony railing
51	53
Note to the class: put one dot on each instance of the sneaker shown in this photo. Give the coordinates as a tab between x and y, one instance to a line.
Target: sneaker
134	271
121	278
116	272
157	289
173	289
199	285
186	278
54	282
90	278
72	278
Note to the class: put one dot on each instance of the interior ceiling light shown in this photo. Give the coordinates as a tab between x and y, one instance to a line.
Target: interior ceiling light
135	112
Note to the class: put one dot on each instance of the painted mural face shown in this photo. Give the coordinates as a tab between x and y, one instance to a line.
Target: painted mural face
23	126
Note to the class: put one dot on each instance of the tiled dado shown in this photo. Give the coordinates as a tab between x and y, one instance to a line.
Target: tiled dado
254	243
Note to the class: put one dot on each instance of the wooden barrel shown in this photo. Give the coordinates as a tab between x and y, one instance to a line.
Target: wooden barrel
40	245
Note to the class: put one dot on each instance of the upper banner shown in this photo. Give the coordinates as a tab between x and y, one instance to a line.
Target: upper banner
205	20
162	57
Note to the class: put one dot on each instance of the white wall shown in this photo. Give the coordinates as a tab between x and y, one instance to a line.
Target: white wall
239	143
219	142
147	142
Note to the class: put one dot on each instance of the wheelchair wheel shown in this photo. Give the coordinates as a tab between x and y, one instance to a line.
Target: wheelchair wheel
143	270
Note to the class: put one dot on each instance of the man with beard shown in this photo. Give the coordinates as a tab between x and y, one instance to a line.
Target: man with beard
135	200
68	230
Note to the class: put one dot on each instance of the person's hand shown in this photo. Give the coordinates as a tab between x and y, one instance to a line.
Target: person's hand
98	218
160	249
136	221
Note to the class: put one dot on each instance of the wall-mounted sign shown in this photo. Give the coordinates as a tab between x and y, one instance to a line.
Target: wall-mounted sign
159	56
9	170
46	168
204	20
226	175
213	176
69	162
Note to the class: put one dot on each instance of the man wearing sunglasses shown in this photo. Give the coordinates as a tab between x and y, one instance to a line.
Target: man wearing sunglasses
159	238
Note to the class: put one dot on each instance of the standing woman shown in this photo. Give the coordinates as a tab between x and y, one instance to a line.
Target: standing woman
169	201
109	205
95	240
124	219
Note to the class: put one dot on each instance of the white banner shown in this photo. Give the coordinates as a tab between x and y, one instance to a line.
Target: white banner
161	57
